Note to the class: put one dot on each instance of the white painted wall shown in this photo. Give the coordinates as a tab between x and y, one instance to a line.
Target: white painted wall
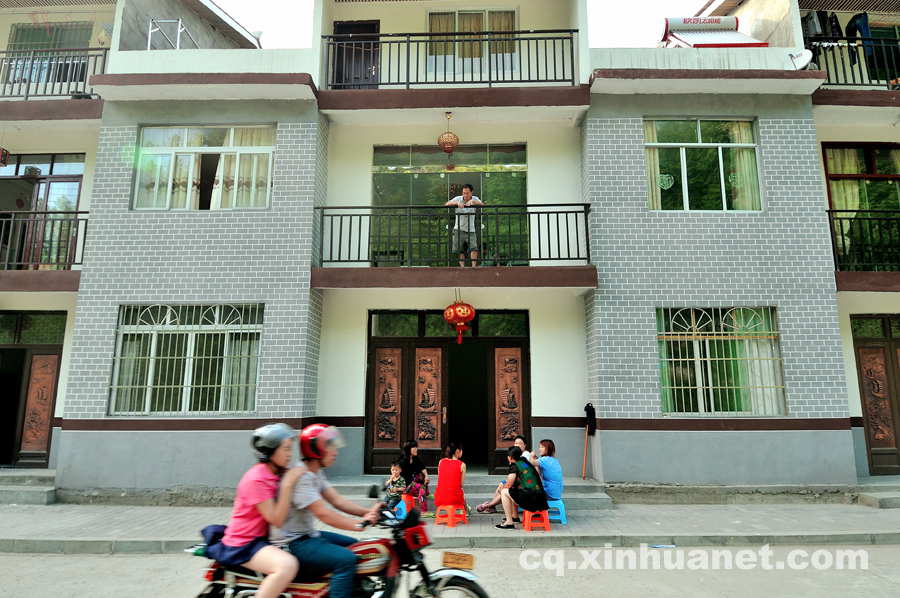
49	302
234	60
412	17
860	303
558	360
554	155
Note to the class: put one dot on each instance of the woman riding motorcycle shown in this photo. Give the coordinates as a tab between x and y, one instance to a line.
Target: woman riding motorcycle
258	503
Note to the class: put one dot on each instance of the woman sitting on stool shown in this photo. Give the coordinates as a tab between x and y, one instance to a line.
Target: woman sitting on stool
522	489
451	475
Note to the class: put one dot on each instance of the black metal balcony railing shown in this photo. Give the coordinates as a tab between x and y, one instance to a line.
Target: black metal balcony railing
41	73
866	62
426	235
41	240
355	61
866	240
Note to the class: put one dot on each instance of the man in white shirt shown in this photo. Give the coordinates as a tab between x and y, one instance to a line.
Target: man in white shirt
465	230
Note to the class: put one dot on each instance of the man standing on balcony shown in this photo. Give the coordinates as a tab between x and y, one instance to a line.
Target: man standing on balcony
465	230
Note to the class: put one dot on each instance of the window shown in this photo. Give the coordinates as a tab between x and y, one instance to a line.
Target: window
431	324
32	328
863	177
204	168
470	21
701	165
421	176
186	359
720	361
30	59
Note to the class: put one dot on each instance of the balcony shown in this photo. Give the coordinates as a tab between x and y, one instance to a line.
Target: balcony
26	74
854	62
415	247
42	240
403	236
866	246
406	60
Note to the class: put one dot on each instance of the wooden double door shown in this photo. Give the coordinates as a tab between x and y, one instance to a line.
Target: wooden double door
876	340
435	391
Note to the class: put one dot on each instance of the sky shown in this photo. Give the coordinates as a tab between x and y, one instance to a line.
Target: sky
616	24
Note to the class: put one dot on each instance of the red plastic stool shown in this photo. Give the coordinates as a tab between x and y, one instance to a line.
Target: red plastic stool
450	515
536	520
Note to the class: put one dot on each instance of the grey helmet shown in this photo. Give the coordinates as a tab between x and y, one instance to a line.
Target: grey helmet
268	438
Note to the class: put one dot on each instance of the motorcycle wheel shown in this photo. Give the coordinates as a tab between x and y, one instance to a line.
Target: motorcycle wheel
457	587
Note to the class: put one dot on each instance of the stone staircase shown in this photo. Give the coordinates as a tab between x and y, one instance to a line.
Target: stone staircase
578	495
27	486
882	492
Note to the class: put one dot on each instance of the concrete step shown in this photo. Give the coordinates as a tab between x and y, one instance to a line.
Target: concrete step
476	484
27	495
880	500
574	502
27	477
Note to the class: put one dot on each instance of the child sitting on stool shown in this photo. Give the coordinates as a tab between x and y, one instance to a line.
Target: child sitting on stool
394	486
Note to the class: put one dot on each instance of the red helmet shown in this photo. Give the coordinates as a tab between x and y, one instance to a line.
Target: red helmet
315	438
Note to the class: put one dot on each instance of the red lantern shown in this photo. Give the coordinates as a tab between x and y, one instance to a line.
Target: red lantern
459	314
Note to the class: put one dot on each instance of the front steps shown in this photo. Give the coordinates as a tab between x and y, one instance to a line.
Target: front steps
880	500
27	486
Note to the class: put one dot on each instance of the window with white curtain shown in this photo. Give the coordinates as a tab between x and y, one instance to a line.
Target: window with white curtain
204	168
186	359
720	361
698	164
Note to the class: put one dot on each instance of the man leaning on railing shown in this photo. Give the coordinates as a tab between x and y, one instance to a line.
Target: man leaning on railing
465	230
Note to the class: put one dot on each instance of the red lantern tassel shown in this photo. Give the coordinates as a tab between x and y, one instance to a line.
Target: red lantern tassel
460	328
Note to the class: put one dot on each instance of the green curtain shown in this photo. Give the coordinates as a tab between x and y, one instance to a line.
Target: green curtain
652	158
502	20
470	22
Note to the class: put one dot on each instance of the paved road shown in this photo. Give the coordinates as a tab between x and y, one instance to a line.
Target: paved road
39	576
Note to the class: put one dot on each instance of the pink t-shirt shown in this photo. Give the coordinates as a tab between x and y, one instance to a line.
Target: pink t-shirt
258	485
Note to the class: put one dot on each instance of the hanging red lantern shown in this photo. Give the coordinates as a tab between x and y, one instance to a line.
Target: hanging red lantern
459	315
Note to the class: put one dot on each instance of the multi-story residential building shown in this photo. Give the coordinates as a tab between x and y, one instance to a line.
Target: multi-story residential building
268	241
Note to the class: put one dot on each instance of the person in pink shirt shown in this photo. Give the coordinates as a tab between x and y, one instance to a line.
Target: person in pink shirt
259	503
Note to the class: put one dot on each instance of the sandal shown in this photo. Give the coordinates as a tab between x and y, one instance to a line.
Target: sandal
484	508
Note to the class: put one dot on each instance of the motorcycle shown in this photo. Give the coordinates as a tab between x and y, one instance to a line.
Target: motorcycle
382	568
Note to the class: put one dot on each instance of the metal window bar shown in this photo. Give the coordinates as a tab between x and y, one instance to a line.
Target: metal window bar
186	359
411	59
865	240
420	235
858	61
720	361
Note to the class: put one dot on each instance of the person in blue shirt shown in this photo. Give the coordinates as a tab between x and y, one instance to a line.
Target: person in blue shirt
549	468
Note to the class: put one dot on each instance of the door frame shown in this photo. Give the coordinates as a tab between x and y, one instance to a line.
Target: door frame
31	351
891	348
376	77
374	460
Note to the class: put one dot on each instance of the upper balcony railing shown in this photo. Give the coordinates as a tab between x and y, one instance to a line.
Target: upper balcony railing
42	240
435	236
866	240
46	73
354	61
858	61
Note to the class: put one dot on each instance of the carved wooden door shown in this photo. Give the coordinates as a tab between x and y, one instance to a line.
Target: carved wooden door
40	398
510	399
878	364
406	400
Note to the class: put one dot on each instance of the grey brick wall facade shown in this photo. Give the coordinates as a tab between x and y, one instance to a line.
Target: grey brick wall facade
259	256
646	259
